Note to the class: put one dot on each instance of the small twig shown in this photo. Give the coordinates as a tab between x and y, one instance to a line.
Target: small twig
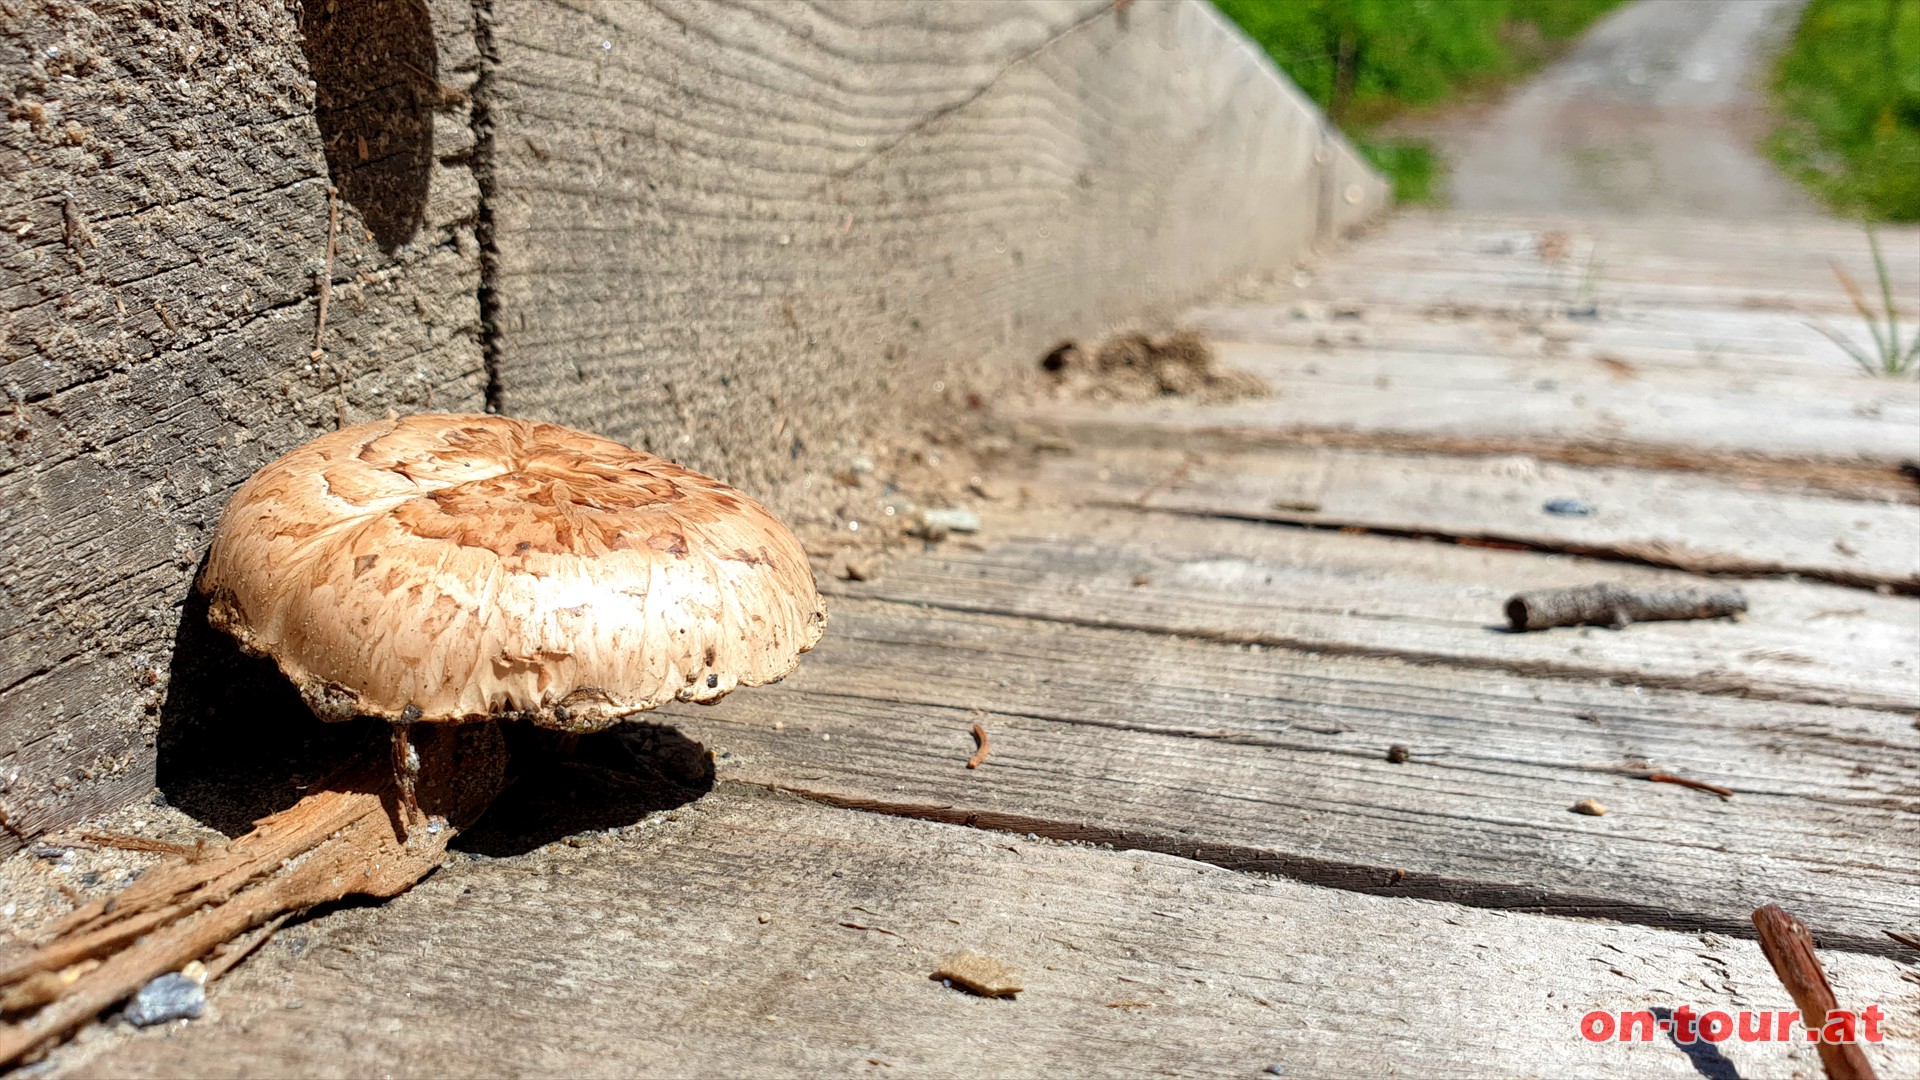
141	843
875	929
1613	605
1697	785
980	740
1789	948
326	278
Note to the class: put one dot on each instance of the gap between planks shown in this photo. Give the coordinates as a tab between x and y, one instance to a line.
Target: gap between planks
1278	758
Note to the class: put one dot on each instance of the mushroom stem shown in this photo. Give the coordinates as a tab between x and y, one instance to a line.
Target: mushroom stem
406	777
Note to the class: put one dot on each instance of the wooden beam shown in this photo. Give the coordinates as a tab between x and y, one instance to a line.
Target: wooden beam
748	934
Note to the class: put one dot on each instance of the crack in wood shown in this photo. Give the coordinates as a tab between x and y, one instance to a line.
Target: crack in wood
1872	481
1338	874
1654	554
1700	684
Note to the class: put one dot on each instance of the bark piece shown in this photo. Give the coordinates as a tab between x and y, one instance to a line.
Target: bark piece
344	840
981	975
1616	606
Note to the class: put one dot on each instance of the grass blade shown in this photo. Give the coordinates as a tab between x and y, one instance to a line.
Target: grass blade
1860	305
1847	347
1893	359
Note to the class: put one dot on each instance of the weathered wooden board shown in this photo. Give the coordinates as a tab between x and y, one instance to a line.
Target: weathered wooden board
1252	584
759	936
166	218
1845	417
1694	522
1734	344
1273	759
753	237
1633	262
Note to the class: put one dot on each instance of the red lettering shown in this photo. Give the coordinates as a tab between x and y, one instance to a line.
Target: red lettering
1754	1025
1637	1025
1871	1017
1596	1026
1683	1021
1787	1020
1716	1026
1839	1027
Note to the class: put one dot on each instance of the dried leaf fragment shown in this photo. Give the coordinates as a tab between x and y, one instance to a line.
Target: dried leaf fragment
982	975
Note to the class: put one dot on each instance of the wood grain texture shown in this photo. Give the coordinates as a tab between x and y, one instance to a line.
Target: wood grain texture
1689	521
165	208
751	237
754	936
1248	583
1274	759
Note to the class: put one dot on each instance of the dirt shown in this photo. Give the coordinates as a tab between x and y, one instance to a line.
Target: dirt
1138	366
1660	109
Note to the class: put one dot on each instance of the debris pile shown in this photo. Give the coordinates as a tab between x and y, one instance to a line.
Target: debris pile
1137	366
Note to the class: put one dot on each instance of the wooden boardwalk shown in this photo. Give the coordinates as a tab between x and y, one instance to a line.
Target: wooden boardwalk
1193	640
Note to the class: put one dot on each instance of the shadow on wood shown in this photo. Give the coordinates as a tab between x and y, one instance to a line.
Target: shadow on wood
236	743
603	781
373	65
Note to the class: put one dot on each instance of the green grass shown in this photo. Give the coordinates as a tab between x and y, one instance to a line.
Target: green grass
1412	166
1849	84
1888	353
1365	61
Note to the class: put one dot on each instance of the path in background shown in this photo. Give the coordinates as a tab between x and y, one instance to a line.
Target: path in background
1659	109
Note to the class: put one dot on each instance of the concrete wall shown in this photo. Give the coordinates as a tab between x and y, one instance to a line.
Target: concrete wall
746	236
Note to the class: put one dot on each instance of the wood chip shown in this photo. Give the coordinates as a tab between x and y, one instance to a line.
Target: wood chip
980	740
982	975
1589	807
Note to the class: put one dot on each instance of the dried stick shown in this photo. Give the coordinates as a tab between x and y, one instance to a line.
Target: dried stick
1689	782
344	841
980	755
1789	948
1613	605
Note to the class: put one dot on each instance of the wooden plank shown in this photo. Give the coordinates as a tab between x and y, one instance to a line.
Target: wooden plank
1642	261
1249	583
748	935
167	218
1737	344
753	238
1693	522
1845	418
1272	759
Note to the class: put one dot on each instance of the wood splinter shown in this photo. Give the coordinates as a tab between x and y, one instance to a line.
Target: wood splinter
344	840
1689	782
1789	948
1618	606
980	740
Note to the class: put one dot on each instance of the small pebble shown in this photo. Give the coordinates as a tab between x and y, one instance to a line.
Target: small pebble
1567	507
1589	807
1398	753
765	918
1276	1070
172	996
960	520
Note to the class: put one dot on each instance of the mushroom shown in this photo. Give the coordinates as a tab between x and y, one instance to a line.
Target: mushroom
457	569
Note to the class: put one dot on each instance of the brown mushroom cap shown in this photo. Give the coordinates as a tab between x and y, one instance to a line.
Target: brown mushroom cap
463	568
